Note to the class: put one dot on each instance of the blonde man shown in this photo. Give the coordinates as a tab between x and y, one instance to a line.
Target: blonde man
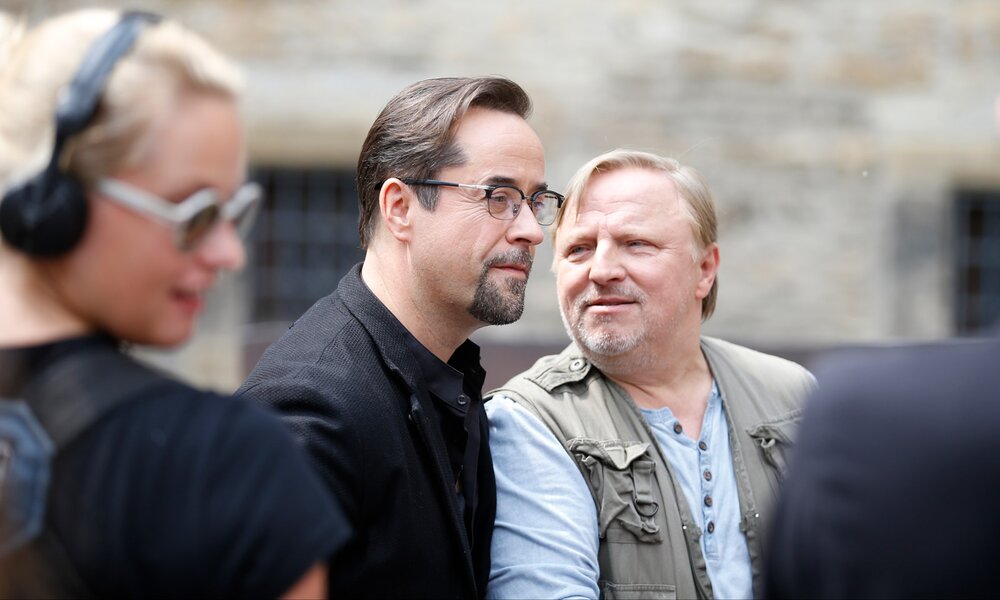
643	459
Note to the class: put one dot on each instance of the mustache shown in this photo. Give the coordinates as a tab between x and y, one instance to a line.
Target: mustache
518	257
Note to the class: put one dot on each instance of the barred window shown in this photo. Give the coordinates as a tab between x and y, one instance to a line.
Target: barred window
977	256
305	239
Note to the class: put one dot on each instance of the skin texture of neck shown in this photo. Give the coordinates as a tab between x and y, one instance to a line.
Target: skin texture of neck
674	376
31	311
388	276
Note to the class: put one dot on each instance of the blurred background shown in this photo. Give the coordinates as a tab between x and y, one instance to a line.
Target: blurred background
850	146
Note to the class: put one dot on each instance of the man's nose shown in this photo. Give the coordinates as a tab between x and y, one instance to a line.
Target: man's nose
606	265
525	228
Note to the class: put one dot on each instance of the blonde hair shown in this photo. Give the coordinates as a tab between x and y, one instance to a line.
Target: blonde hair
166	61
698	206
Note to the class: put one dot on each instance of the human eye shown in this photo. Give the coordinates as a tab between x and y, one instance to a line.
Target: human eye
502	194
576	250
543	199
543	204
501	201
639	244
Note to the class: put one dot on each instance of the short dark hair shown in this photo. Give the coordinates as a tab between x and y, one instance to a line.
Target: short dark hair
414	136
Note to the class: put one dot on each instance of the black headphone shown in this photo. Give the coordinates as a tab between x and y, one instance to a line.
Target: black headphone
46	216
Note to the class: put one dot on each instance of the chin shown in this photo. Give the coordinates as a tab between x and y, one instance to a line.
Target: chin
160	337
608	342
172	339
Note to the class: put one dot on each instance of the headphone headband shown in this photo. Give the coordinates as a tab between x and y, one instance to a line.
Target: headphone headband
78	100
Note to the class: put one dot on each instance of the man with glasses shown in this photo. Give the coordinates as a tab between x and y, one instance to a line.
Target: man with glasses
379	379
643	459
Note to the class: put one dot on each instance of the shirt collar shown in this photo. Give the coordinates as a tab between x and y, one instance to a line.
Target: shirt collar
459	382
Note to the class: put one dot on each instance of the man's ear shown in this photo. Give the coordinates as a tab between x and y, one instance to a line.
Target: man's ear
396	201
709	266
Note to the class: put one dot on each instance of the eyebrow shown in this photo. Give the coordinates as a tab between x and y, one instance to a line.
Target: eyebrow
502	180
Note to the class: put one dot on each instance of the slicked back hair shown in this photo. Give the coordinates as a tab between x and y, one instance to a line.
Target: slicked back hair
414	136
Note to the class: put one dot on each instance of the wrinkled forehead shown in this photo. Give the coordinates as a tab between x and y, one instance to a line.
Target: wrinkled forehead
623	196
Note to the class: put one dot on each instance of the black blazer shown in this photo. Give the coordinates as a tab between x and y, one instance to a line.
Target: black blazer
344	380
894	490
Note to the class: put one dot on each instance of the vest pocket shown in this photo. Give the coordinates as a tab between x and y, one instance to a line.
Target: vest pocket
621	477
775	439
637	591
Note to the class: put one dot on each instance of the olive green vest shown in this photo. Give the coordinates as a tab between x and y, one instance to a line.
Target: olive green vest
649	539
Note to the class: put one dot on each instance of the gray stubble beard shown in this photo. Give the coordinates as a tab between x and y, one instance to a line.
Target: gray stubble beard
604	348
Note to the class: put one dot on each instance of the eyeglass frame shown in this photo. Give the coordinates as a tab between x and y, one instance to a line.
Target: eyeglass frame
245	202
489	189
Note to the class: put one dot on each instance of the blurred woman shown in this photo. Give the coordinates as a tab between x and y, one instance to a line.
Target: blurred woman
122	173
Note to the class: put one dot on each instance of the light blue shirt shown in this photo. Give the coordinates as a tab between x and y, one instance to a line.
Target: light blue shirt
546	538
704	474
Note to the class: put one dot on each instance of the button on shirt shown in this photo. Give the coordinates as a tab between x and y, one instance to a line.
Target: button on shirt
704	470
456	390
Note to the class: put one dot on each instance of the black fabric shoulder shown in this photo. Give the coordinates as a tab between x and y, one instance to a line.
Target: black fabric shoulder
191	494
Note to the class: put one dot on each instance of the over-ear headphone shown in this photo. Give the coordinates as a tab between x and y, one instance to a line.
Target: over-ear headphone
47	215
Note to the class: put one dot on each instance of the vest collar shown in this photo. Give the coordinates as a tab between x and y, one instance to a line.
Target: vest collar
569	366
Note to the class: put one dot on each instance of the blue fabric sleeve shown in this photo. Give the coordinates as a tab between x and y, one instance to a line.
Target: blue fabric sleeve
546	537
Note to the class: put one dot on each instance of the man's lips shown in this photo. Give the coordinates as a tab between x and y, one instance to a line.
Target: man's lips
514	268
608	305
610	301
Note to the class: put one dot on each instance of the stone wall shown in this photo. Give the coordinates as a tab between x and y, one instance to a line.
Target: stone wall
833	132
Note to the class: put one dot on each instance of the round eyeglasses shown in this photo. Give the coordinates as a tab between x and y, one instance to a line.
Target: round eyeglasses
504	201
194	217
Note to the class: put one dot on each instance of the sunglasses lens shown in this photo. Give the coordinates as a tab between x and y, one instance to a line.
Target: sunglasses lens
241	211
199	225
244	218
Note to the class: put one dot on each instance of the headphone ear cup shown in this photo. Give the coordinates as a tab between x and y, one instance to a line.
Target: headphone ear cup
47	216
45	222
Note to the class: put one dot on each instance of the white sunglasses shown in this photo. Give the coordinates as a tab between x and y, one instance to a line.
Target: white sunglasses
196	216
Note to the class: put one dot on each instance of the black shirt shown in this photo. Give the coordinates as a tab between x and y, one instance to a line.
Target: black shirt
456	388
351	389
186	493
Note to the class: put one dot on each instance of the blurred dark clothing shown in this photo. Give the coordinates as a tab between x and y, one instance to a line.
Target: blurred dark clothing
349	385
457	390
894	489
178	493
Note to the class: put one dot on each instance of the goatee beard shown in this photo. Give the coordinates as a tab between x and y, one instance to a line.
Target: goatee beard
503	303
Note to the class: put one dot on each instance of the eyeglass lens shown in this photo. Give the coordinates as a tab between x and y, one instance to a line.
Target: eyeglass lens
504	203
198	226
201	223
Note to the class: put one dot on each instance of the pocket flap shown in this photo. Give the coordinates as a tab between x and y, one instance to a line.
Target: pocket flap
621	476
775	438
781	430
637	591
617	454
